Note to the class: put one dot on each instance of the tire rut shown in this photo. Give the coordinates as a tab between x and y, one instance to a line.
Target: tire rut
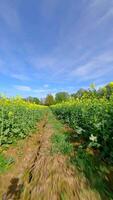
50	177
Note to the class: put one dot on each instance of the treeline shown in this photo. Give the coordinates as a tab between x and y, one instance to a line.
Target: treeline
49	99
91	92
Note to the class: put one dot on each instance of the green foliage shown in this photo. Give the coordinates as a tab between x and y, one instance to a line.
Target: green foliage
109	89
61	144
95	171
92	86
61	96
33	100
49	100
92	119
5	163
81	92
92	92
17	119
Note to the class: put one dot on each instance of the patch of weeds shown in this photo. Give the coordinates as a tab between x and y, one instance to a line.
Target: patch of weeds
5	146
60	144
59	139
5	163
95	171
63	196
57	126
55	123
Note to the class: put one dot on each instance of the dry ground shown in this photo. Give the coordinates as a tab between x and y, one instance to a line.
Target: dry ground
40	175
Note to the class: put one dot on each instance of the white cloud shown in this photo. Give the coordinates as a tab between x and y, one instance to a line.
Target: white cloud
97	67
23	88
39	90
106	16
46	86
44	90
43	62
98	3
20	77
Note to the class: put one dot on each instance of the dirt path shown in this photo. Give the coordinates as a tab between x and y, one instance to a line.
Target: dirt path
46	176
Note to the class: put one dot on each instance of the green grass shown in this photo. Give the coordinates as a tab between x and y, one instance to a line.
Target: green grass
59	140
95	171
60	144
5	163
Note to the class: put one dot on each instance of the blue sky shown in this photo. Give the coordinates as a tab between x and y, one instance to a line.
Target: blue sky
48	46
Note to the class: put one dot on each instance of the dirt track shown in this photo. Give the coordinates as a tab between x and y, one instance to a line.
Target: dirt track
47	176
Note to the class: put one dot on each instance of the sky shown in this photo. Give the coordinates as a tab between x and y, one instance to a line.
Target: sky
47	46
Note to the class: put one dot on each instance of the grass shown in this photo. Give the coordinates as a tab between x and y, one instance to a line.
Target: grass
95	171
5	163
59	139
60	144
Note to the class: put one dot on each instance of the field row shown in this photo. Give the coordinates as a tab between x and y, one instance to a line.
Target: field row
92	121
17	119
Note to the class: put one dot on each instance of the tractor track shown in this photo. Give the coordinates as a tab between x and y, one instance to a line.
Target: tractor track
47	176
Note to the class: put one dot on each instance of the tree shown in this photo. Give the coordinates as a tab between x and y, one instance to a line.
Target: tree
33	100
109	88
42	101
102	92
49	100
61	96
79	93
106	91
92	87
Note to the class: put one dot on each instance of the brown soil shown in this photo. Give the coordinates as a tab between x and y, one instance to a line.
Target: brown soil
22	154
43	176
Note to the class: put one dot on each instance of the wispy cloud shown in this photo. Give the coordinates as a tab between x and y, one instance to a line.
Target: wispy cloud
44	91
107	15
9	14
23	88
60	43
46	85
98	3
34	91
42	62
95	68
20	77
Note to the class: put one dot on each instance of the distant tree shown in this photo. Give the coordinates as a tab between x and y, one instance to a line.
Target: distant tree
102	92
49	100
92	87
109	90
89	93
42	101
79	93
36	100
61	96
33	100
106	91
